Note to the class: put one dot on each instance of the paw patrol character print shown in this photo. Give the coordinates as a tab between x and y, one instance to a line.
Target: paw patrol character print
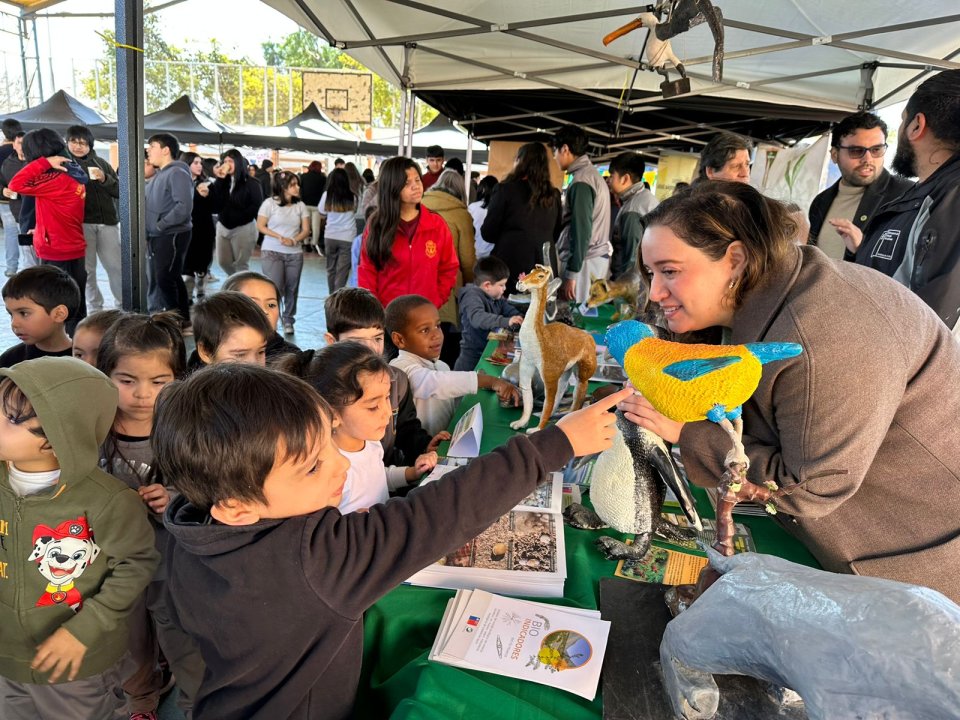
62	554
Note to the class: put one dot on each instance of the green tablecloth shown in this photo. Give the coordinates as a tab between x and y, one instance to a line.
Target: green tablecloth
399	682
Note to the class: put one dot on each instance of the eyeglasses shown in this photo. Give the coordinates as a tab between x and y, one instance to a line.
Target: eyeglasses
77	141
858	151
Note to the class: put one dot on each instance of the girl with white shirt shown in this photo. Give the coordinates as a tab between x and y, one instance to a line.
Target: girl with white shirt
285	224
338	207
356	383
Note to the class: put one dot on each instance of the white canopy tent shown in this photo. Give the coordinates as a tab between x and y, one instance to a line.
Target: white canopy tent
808	58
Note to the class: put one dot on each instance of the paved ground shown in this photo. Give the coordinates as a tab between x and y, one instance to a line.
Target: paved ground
310	325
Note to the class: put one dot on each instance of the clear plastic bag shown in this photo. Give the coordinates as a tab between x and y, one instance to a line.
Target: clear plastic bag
851	646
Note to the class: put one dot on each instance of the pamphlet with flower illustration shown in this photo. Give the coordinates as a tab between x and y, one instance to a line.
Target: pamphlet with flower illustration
546	644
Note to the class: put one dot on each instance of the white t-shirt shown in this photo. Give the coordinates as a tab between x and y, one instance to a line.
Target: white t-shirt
340	225
284	220
479	214
366	479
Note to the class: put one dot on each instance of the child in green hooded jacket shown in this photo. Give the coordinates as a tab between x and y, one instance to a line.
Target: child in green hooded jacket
76	549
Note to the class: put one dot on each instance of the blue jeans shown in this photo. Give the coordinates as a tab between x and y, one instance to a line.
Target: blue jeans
11	231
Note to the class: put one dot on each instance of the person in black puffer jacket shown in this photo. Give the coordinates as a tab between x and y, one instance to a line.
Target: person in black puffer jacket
236	198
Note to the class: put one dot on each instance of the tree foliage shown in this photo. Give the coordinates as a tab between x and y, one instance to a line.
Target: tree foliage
233	89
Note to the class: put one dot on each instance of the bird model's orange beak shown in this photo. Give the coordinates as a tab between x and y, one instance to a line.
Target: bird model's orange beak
623	30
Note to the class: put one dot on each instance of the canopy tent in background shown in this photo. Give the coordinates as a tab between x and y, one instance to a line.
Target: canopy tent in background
58	112
440	131
513	70
310	131
182	118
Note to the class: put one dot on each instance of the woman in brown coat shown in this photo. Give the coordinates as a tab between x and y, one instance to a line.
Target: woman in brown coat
445	198
863	424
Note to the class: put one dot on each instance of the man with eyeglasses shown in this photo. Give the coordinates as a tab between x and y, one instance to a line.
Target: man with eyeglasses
915	238
859	143
101	223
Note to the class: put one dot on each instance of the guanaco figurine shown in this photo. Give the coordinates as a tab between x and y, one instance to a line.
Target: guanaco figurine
553	349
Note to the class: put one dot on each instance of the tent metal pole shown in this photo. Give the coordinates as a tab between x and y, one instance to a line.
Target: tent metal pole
23	60
467	170
433	85
488	28
401	126
369	33
912	81
130	136
412	107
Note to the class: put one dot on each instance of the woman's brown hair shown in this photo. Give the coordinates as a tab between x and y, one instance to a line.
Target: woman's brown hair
713	214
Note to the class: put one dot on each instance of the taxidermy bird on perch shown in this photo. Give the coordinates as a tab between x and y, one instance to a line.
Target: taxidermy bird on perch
683	15
689	383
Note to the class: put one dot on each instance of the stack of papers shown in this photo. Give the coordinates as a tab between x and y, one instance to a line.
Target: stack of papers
522	553
556	646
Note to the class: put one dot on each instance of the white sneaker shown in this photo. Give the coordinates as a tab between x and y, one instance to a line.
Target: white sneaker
288	329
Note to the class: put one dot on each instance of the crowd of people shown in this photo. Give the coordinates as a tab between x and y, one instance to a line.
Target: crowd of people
147	495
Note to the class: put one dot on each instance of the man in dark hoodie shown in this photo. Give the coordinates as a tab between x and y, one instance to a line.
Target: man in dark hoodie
169	206
101	224
236	200
265	572
58	185
77	547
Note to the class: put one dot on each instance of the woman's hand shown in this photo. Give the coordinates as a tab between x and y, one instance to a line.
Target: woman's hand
638	410
203	190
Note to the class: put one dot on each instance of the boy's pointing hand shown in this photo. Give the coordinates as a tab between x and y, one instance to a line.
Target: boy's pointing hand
592	429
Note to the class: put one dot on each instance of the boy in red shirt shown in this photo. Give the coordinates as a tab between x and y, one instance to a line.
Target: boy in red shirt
59	186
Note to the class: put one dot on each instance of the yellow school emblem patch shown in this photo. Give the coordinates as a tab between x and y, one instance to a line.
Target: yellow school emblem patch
431	249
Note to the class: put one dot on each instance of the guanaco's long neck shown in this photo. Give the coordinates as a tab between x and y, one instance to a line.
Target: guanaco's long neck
530	330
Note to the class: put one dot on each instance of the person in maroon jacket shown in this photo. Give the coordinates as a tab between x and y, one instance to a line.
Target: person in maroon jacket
407	249
59	186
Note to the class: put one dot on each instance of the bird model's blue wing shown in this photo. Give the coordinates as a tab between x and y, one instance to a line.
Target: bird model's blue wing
768	352
692	369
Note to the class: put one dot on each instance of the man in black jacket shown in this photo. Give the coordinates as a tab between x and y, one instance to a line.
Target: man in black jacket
858	144
101	224
915	239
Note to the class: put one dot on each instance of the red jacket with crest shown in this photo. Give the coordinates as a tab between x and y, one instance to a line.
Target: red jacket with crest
425	265
60	205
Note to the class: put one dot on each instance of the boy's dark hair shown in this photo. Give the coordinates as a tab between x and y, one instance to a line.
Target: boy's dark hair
46	285
216	315
490	269
80	132
352	309
434	151
395	316
857	121
236	281
335	370
573	137
17	408
134	333
938	98
628	163
10	128
166	140
101	320
219	433
42	143
721	148
266	164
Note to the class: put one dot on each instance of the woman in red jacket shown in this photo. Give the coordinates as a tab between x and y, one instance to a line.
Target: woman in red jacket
59	186
407	249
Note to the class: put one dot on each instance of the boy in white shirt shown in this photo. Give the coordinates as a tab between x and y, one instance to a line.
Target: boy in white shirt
414	326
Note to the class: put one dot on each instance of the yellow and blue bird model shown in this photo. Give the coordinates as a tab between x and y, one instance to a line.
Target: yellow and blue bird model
687	383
